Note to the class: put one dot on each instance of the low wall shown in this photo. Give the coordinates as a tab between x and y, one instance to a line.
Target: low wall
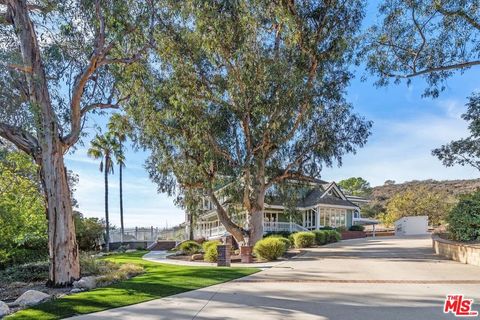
352	234
461	252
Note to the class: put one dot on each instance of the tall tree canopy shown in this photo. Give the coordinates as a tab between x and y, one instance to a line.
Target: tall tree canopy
464	151
59	61
356	186
431	39
247	94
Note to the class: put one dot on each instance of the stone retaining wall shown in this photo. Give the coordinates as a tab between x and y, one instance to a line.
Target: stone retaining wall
461	252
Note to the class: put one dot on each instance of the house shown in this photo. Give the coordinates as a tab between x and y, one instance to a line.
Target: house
317	204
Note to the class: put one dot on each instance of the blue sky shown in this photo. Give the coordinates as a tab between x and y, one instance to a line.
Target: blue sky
406	128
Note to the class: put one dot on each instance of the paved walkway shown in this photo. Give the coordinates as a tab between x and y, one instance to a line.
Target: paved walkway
383	278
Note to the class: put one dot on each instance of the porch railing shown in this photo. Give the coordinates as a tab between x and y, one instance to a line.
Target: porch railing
282	227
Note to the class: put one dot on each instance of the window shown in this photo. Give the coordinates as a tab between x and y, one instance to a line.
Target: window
271	217
333	217
310	219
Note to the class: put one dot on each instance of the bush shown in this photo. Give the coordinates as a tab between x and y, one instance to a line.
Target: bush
357	228
29	272
123	272
92	266
89	232
320	237
209	243
270	248
211	253
190	247
326	228
464	219
333	236
304	239
285	241
341	229
284	234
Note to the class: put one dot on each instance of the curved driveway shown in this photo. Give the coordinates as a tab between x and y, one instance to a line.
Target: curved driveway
383	278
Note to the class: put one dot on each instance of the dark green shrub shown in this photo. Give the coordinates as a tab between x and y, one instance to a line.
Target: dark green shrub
284	234
325	228
333	236
341	229
270	248
304	239
211	253
464	219
89	232
190	247
29	272
207	244
357	228
320	237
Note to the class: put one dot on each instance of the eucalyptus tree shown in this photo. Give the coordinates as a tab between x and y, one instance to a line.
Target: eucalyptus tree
119	127
244	95
106	148
424	38
59	60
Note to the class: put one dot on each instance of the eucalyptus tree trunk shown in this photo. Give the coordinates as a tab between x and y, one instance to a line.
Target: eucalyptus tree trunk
47	149
107	223
122	230
62	244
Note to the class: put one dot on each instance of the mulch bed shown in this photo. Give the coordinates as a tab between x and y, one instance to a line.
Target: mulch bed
11	291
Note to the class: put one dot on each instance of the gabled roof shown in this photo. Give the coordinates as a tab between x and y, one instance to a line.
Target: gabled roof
317	196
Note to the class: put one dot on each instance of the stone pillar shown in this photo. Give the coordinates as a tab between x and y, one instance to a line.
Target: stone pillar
224	257
246	254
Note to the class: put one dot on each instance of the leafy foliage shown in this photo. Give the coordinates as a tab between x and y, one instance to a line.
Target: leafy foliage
211	253
249	93
208	244
431	39
89	232
464	151
303	239
190	247
418	201
464	219
356	186
357	228
326	236
270	248
23	225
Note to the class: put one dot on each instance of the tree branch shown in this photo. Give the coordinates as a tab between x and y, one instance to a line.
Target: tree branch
100	105
22	139
460	65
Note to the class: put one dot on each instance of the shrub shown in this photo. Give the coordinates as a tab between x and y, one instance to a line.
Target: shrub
357	228
284	234
320	237
211	253
326	228
270	248
464	219
209	243
285	241
190	247
29	272
92	266
333	236
304	239
341	229
89	232
123	272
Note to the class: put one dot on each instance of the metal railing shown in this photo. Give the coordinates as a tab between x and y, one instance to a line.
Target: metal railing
267	227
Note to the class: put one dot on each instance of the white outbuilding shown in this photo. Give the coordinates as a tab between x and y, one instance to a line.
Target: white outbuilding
412	225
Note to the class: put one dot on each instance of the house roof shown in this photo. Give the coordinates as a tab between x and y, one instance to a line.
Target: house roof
317	196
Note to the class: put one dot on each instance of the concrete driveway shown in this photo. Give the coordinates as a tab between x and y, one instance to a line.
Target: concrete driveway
383	278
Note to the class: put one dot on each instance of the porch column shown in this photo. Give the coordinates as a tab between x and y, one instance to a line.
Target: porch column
317	218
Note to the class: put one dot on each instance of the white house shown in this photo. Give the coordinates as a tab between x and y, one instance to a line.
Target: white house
319	204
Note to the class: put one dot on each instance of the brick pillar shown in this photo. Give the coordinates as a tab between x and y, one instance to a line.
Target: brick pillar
246	254
224	257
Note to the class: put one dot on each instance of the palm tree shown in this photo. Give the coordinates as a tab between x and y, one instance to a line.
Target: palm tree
118	127
106	147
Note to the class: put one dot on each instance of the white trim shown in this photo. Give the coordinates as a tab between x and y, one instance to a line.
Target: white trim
337	189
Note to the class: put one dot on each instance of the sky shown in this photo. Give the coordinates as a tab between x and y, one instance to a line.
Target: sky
406	127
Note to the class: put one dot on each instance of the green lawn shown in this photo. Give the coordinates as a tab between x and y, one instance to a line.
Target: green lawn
159	280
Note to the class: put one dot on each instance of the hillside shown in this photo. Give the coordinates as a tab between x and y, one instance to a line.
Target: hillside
381	194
